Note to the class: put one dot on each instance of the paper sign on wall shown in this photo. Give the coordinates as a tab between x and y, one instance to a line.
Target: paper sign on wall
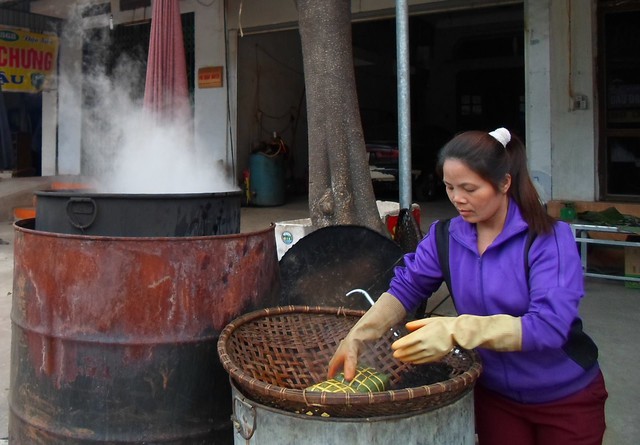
210	77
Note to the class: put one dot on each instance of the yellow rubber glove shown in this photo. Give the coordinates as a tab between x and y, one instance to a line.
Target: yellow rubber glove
385	313
433	338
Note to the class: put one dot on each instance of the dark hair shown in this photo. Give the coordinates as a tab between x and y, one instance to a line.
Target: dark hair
486	156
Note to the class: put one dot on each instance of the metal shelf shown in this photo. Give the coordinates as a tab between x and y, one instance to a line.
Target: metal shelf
580	233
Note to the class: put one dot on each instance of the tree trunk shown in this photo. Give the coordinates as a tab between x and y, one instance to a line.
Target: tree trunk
340	188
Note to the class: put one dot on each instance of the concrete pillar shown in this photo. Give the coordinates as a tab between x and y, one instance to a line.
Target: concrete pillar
69	148
210	108
538	92
559	68
574	100
49	131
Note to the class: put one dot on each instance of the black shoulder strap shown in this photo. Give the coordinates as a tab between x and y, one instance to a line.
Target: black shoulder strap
442	242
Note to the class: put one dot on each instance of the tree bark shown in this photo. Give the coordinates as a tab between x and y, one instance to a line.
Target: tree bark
340	188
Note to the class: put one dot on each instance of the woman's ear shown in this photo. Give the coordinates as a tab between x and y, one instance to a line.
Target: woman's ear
506	184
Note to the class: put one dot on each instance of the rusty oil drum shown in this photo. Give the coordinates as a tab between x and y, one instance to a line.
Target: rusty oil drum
114	338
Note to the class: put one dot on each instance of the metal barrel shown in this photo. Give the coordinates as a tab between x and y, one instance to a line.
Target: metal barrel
83	212
114	338
267	180
255	423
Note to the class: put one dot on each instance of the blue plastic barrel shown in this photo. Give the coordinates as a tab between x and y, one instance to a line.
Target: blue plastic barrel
266	182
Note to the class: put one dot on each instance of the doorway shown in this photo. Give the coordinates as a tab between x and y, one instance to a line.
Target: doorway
22	117
453	55
619	82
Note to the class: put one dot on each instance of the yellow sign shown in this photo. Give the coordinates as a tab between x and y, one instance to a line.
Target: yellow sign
26	60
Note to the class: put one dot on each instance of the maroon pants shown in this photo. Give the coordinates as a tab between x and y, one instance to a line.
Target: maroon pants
574	420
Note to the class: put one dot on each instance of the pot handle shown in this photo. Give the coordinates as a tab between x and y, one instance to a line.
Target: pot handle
84	209
243	418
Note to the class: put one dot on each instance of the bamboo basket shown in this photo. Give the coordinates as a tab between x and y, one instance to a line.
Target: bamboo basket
274	354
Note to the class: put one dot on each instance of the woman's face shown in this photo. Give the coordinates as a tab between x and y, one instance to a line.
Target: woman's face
475	198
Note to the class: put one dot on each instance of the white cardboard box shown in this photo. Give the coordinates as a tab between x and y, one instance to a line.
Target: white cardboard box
290	232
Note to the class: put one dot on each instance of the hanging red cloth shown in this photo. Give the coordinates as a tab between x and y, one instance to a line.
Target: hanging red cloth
166	88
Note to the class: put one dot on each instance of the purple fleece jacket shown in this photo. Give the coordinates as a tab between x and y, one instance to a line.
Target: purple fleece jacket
495	283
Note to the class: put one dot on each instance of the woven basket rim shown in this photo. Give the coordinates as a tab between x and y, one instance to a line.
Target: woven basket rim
316	398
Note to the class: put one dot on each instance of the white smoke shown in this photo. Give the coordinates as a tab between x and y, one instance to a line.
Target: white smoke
125	150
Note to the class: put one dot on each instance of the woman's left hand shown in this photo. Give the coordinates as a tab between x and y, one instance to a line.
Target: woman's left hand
429	340
433	338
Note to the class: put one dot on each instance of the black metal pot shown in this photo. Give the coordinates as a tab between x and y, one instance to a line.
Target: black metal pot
145	215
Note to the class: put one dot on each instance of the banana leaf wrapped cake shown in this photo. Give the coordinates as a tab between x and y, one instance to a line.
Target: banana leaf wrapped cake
366	380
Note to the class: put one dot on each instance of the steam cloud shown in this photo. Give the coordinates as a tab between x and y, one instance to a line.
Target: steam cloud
126	150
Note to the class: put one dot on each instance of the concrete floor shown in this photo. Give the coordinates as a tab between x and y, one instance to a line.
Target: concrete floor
610	312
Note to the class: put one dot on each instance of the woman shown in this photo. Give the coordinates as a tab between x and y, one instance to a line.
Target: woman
541	383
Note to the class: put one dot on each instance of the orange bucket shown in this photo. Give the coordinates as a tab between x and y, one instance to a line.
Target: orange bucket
69	186
24	213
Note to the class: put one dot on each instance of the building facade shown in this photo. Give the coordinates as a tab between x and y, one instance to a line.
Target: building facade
563	74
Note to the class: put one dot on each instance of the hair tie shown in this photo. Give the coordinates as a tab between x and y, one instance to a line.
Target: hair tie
501	135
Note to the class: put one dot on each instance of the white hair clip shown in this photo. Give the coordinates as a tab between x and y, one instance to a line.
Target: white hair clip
501	135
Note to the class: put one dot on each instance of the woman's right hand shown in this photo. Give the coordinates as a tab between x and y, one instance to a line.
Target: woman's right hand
345	358
386	312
